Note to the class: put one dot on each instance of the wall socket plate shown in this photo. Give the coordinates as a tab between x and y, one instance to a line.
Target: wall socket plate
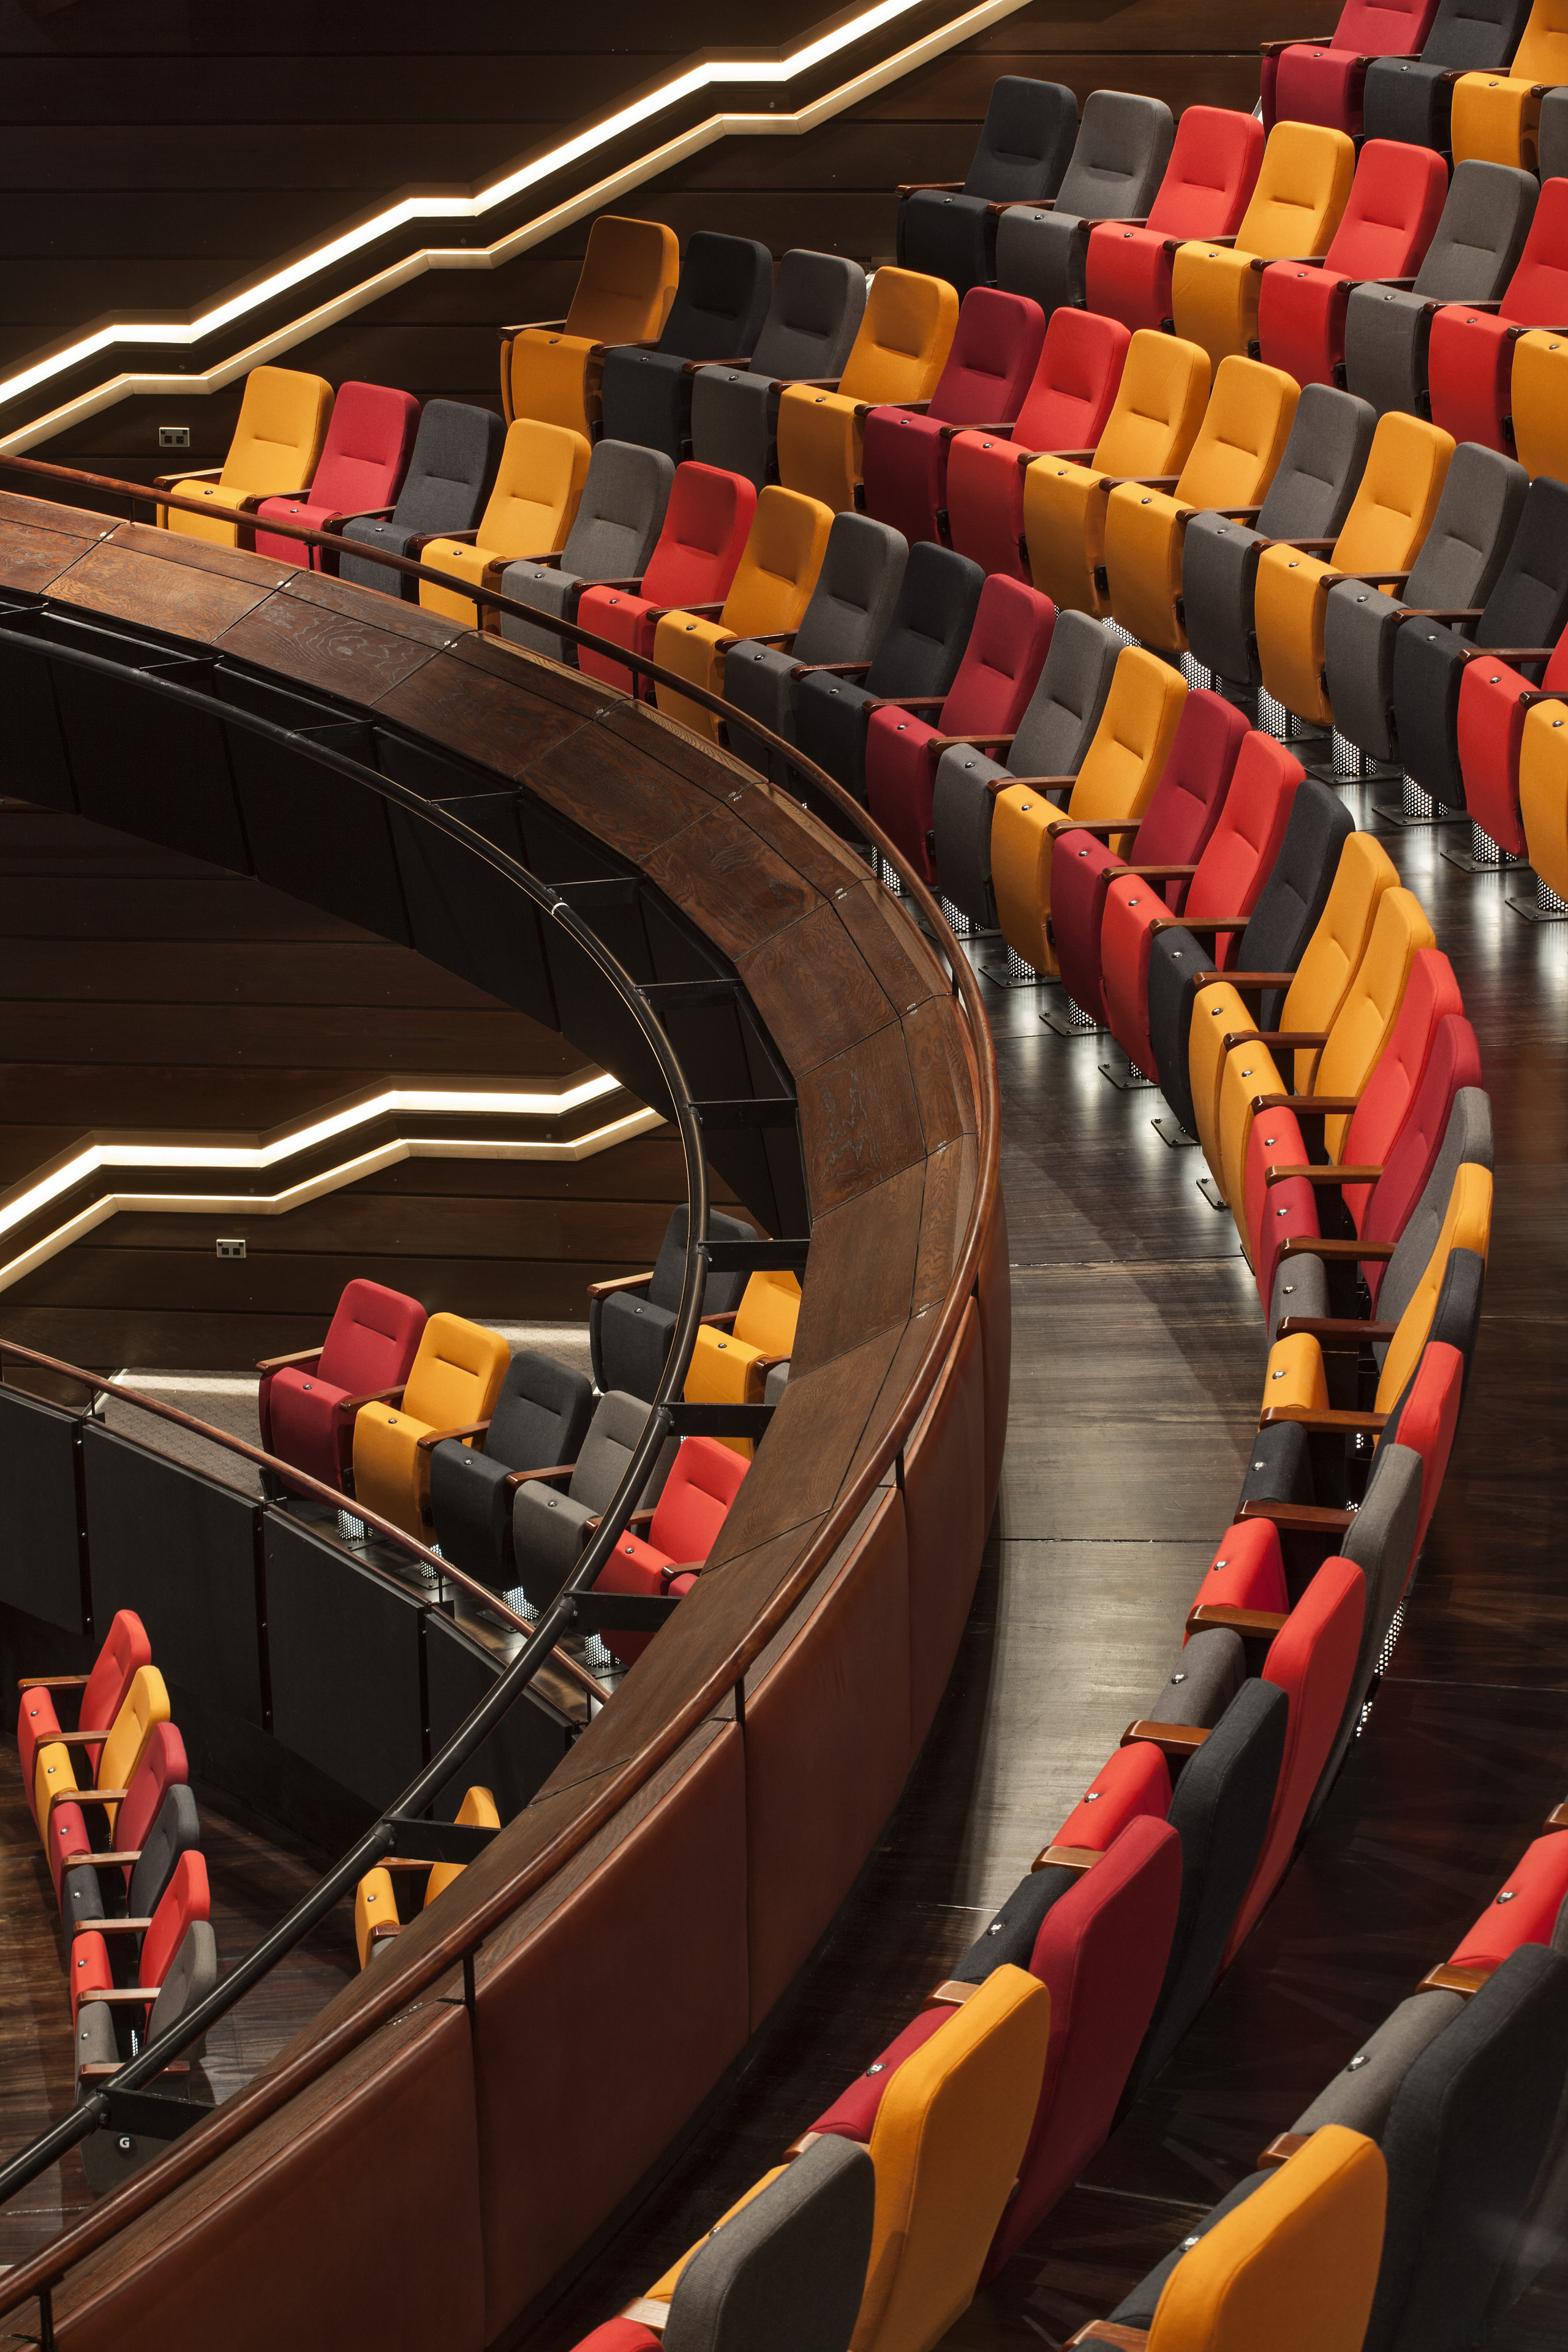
230	1249
174	436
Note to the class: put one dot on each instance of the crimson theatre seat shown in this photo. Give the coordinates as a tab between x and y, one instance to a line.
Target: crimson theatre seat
1207	187
1495	698
682	1528
1396	202
1305	83
1241	853
358	476
990	368
1174	834
1469	359
124	1649
306	1402
1002	662
146	1947
701	542
1065	408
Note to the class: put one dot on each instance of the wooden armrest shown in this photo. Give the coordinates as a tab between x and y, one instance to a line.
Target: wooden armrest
1209	1614
1510	653
1210	923
1557	1819
1344	1252
703	612
1315	1105
524	1478
417	545
1073	457
1244	979
941	743
633	1519
1337	1326
781	637
1296	41
808	383
1306	546
831	669
378	1396
71	1738
191	474
909	702
1261	262
1175	1738
1280	2149
357	514
52	1682
914	407
1327	580
110	1927
383	1931
725	1322
1322	1175
695	367
621	1282
1445	1979
279	1363
101	2070
1110	2331
524	325
627	587
1108	828
1139	481
120	1996
1300	1518
1046	784
1298	1038
943	187
1346	1424
1065	1857
770	1364
1001	428
83	1796
434	1437
1161	872
256	499
101	1860
498	564
1428	612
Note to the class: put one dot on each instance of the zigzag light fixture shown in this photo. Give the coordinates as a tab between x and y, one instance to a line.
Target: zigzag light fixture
662	158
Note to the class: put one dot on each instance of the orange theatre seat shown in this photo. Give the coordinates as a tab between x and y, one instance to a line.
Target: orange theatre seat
125	1649
700	543
1496	117
768	596
452	1384
731	1366
1206	189
1543	793
55	1781
1066	407
530	511
306	1402
376	1920
682	1528
624	292
277	439
357	477
897	358
1302	189
1396	202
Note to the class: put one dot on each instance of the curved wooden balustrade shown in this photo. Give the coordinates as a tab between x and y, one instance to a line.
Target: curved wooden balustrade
427	2178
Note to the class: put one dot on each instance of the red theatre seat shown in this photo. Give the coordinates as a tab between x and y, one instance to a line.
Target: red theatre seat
370	1344
162	1768
703	1482
1523	1911
1469	365
1001	666
360	471
125	1648
1494	698
1066	407
1304	83
989	370
1207	187
699	551
146	1946
1175	831
1395	200
1231	872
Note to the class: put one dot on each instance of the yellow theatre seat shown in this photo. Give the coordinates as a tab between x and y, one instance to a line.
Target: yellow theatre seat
768	596
1495	115
1296	1382
1231	463
1538	395
453	1382
1323	977
1389	518
1119	772
1302	189
1355	1039
898	352
531	510
376	1921
732	1366
1543	793
283	421
1155	420
143	1708
624	292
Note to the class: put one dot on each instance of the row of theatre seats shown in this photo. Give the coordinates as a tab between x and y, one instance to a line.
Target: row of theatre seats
110	1796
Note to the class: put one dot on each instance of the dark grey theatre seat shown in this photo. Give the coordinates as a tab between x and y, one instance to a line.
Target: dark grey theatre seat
1409	98
1026	144
548	1517
720	305
619	517
629	1330
451	472
818	301
540	1418
786	2273
1117	162
850	607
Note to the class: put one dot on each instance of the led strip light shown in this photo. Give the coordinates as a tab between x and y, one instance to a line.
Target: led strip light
648	166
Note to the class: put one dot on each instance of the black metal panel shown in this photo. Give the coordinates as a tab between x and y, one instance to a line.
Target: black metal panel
149	764
345	1647
316	833
557	852
466	916
34	766
180	1550
523	1750
40	1548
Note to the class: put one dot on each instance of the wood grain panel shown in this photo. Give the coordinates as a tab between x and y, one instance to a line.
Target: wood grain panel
644	799
486	720
814	988
861	1275
194	599
859	1119
734	887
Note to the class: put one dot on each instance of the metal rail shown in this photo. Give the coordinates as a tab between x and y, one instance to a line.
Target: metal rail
403	1976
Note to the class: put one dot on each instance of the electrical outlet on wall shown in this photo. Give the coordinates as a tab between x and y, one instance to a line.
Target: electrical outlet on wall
174	436
230	1249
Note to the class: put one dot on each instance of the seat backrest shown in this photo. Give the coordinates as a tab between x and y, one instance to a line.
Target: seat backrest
176	1830
185	1983
541	1414
1025	142
1382	28
1302	189
949	2133
1431	1226
704	530
1212	171
925	640
779	563
1395	202
1338	941
1524	1910
1003	658
143	1708
702	1484
1480	235
125	1649
768	1312
1321	466
1477	34
1242	438
533	503
1467	1226
1119	159
1250	833
620	514
856	590
1529	603
184	1900
1180	820
1470	535
455	457
1543	52
1537	293
1159	406
818	303
726	283
1075	384
1361	1027
477	1811
1397	496
1426	1414
613	1434
1447	1119
1133	739
904	338
627	281
372	1339
1296	890
1065	708
784	2270
992	361
281	409
1293	2265
365	454
1431	993
162	1767
456	1374
720	1291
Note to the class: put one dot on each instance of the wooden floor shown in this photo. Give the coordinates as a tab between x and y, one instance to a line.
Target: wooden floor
1138	1356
